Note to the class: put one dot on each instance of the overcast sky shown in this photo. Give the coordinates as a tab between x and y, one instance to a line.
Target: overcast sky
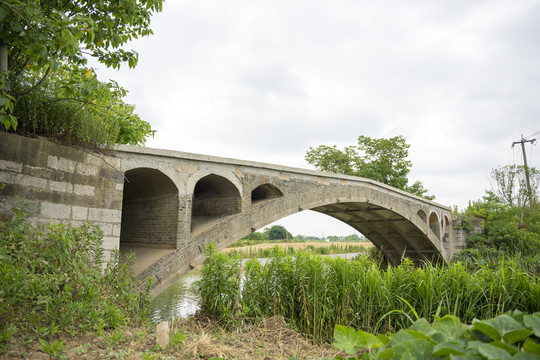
266	80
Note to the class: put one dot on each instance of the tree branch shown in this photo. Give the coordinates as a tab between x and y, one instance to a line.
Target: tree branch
33	87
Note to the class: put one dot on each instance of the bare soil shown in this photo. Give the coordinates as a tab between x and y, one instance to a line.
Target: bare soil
268	339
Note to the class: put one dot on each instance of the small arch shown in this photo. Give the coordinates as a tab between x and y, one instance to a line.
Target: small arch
213	198
434	224
149	210
422	215
264	192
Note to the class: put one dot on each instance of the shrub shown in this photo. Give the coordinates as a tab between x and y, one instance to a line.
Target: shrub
53	279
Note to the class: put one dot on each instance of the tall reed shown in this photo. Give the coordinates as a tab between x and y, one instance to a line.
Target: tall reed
315	293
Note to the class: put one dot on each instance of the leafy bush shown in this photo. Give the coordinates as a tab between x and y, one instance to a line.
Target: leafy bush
513	335
53	279
219	287
98	122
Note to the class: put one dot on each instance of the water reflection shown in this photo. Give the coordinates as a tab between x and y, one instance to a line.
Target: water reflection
178	300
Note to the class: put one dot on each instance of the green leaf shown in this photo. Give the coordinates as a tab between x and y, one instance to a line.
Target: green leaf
423	326
502	327
449	348
347	339
413	349
531	346
512	350
487	329
524	356
350	340
533	321
451	327
494	353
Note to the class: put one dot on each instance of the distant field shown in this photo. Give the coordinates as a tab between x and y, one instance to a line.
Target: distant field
297	246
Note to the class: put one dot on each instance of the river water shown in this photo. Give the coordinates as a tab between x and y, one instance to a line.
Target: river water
180	300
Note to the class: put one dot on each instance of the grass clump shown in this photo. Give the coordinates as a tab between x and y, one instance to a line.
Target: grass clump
316	293
53	280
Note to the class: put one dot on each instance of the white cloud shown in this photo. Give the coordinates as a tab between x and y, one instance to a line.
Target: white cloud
266	80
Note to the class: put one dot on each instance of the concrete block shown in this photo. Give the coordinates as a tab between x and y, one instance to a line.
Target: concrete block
162	334
116	230
111	243
55	211
79	213
10	166
60	186
61	164
106	228
25	181
86	169
83	190
104	215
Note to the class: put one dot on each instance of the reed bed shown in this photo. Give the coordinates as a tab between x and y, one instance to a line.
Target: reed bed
316	293
322	250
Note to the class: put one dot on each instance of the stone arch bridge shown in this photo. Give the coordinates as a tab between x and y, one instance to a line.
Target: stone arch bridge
168	205
182	202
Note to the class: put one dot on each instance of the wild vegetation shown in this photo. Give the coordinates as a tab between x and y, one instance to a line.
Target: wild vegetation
484	305
47	87
53	280
335	248
315	293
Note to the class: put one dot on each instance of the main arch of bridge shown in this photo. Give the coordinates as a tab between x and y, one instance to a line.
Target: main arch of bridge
218	200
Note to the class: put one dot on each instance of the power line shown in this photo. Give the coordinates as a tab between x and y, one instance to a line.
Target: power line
530	136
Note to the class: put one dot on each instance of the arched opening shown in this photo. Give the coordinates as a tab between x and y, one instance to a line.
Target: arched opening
149	214
422	215
264	192
394	234
434	224
445	224
149	209
214	197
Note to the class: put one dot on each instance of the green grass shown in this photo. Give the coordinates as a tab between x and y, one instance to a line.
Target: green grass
316	293
53	280
320	250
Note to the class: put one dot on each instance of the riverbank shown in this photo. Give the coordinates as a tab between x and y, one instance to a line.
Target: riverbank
298	246
202	338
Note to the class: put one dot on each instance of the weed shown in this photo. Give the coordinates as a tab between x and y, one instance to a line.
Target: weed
53	280
54	349
177	338
114	338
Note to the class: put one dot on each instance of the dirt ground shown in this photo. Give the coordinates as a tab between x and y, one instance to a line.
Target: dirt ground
204	339
296	246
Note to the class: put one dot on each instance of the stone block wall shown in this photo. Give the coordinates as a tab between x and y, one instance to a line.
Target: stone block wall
150	222
61	184
463	227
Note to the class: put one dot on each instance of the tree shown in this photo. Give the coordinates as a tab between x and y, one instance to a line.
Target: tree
277	232
46	44
511	188
383	160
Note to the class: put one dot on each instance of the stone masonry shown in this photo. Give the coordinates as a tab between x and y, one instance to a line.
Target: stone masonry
59	184
174	203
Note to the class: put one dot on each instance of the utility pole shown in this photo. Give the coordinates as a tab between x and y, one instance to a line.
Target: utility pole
522	142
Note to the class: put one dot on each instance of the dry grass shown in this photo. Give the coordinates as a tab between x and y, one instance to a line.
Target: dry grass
269	339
